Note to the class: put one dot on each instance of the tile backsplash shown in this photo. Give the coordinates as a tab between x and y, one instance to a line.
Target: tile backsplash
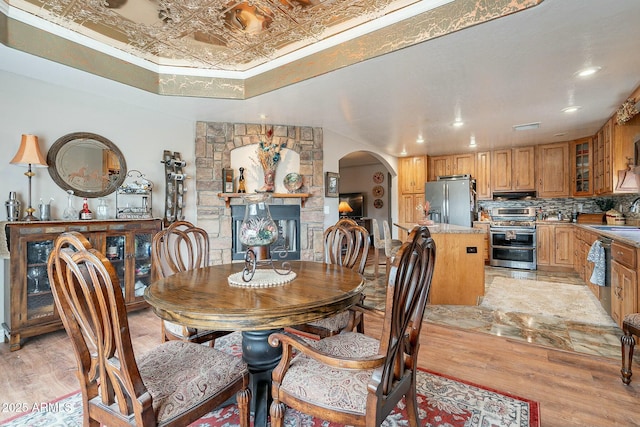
566	205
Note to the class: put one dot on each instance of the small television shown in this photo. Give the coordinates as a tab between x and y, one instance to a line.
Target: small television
357	203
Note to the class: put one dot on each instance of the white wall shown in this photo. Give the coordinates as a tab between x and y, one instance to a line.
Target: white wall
335	147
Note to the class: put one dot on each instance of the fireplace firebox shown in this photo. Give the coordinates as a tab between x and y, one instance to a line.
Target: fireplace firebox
286	217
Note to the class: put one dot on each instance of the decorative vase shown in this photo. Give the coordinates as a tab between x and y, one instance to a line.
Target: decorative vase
258	230
269	181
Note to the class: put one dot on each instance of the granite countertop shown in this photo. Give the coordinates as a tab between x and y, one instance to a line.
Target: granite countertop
626	234
440	228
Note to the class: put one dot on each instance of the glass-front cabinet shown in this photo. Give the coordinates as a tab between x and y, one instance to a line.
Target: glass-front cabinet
29	305
581	168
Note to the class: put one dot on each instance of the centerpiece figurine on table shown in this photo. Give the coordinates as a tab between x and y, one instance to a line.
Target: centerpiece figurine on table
269	156
258	232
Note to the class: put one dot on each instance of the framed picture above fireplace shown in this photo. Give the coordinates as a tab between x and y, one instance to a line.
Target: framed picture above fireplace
331	184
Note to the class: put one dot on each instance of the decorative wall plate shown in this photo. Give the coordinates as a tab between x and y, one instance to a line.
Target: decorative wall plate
378	203
293	182
378	177
378	191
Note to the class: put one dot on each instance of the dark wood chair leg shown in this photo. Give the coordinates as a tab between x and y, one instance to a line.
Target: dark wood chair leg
628	343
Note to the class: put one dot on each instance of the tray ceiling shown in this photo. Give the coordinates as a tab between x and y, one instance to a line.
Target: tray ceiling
210	34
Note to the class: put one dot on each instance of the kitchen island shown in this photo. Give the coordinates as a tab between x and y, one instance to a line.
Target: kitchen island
458	277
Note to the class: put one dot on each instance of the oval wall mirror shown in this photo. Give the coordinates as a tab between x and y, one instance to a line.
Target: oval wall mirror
88	164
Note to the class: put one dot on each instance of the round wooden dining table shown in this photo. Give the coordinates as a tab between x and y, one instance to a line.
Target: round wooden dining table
204	299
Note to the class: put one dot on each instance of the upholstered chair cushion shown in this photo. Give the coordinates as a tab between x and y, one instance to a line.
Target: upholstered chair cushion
178	375
333	323
633	319
308	379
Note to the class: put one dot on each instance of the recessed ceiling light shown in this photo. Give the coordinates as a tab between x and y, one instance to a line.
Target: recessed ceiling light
420	139
560	134
527	126
457	123
403	152
472	141
589	71
571	109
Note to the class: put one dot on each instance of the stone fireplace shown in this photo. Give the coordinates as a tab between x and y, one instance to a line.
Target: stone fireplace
214	143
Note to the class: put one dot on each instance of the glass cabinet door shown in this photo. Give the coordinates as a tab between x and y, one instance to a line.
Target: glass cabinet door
115	252
142	263
38	290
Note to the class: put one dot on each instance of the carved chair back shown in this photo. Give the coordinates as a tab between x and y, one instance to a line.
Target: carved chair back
180	247
90	302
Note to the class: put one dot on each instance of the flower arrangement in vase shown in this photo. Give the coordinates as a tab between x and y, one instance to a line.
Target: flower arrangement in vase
269	156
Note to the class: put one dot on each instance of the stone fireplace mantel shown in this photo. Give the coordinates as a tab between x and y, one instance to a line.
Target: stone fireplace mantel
229	196
214	143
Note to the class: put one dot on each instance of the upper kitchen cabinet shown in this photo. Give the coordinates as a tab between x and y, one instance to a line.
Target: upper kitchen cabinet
439	166
513	169
602	160
412	173
455	164
581	179
553	169
464	164
613	150
483	175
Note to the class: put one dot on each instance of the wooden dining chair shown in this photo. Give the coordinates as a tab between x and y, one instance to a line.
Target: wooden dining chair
630	327
378	246
174	384
354	379
180	247
347	245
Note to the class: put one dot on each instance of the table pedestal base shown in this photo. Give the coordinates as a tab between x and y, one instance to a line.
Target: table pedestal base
260	358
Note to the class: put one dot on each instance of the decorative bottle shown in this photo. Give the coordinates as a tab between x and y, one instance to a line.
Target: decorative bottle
241	184
85	212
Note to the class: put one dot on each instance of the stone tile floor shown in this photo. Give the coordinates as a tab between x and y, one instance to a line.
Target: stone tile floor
550	331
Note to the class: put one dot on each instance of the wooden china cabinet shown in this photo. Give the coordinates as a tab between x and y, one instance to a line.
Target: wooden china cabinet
29	305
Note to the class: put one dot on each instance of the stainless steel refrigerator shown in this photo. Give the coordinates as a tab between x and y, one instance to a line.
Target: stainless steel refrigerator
452	199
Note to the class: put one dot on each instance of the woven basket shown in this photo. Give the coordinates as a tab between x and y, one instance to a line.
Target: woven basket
615	220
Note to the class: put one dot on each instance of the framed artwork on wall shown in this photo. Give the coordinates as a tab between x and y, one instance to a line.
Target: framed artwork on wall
331	183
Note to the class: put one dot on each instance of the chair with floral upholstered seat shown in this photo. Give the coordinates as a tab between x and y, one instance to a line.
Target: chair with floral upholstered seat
630	327
174	384
354	379
346	244
182	246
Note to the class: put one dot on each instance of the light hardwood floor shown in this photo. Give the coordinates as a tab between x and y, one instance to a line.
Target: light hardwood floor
572	389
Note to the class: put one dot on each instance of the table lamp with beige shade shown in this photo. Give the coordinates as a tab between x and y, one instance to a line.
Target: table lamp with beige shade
344	208
29	154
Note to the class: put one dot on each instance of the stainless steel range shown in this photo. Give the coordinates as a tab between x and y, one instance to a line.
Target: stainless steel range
512	240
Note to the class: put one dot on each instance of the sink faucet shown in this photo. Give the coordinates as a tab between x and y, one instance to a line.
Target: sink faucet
635	206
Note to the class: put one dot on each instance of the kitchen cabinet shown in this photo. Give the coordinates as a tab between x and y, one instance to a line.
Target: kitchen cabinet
624	281
485	249
413	173
552	161
483	175
439	166
409	211
29	305
513	169
454	164
554	250
581	178
613	149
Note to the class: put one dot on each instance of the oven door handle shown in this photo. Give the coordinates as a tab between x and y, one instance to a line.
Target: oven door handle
516	230
515	248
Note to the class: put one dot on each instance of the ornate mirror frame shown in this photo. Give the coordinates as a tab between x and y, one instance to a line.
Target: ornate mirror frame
88	164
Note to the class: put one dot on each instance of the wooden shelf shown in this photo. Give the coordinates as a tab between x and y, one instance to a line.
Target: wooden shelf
302	196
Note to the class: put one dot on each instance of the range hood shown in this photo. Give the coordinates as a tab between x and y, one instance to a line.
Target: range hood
514	195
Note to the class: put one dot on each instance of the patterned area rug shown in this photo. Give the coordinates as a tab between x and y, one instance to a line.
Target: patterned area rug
443	402
570	302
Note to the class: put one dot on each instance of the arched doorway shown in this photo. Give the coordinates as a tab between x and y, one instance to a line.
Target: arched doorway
367	174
